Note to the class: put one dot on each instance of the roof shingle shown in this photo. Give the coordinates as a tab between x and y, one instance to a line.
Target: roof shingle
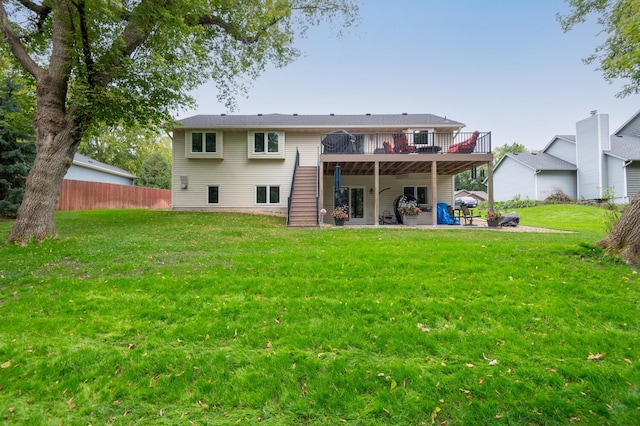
542	161
319	121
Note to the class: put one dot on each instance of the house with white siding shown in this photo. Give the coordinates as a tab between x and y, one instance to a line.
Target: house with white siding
299	165
87	169
590	165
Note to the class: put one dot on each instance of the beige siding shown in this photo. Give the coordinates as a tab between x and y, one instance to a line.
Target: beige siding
308	145
236	175
387	197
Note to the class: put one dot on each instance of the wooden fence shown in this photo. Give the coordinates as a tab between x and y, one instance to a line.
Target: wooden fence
81	195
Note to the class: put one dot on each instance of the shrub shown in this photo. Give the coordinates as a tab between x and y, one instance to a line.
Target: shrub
558	197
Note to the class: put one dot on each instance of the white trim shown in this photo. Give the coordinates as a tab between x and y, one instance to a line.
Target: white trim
188	144
268	203
207	202
252	154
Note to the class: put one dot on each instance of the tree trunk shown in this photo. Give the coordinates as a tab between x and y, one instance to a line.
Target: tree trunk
624	239
57	138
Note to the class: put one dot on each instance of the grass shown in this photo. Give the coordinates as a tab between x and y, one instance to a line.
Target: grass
136	317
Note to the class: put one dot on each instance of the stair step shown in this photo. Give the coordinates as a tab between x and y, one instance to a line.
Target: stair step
302	213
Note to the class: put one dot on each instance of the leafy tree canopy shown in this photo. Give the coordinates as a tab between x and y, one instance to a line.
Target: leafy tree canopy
500	151
471	181
127	147
104	63
619	56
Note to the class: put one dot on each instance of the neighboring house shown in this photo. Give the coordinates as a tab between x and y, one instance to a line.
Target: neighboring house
478	195
90	170
588	165
296	165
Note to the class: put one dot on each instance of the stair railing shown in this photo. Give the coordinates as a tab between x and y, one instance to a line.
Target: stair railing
293	181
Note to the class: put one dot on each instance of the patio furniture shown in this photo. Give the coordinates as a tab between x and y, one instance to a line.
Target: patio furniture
387	147
509	219
401	144
465	147
339	141
387	218
399	217
429	149
443	215
466	214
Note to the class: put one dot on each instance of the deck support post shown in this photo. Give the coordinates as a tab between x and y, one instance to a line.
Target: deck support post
376	190
320	189
434	193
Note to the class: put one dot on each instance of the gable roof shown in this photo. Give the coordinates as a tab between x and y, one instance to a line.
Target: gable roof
540	161
631	127
328	121
625	147
479	195
89	163
567	138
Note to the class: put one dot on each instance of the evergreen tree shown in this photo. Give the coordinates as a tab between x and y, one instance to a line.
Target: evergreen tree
17	151
155	172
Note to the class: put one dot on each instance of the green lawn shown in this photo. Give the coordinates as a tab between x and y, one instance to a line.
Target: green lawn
138	317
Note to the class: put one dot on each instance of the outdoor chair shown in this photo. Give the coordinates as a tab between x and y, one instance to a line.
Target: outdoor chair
466	215
465	147
401	144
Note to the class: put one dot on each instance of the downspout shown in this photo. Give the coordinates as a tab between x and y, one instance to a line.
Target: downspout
535	183
626	197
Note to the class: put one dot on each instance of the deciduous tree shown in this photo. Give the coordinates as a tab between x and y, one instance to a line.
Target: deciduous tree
500	151
106	61
619	58
126	147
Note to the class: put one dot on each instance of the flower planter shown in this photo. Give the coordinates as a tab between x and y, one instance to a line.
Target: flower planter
410	220
492	223
339	222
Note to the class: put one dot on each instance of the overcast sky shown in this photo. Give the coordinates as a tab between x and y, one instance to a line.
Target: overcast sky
503	66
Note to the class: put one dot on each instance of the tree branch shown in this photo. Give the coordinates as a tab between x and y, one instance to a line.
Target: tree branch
138	29
36	8
234	31
42	11
16	46
86	45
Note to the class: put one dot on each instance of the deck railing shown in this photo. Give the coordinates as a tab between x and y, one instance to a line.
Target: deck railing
342	142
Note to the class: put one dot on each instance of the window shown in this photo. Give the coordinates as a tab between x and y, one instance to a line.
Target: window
268	194
212	194
419	192
204	144
266	144
421	137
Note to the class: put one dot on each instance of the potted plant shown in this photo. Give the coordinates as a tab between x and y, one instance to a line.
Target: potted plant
409	210
339	215
493	217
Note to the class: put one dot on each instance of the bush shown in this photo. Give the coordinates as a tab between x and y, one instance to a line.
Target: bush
518	203
559	197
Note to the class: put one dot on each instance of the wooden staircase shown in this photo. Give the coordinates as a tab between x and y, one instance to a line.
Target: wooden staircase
303	213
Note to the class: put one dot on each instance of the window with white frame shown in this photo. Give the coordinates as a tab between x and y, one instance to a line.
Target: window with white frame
266	144
419	192
213	194
204	144
268	195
